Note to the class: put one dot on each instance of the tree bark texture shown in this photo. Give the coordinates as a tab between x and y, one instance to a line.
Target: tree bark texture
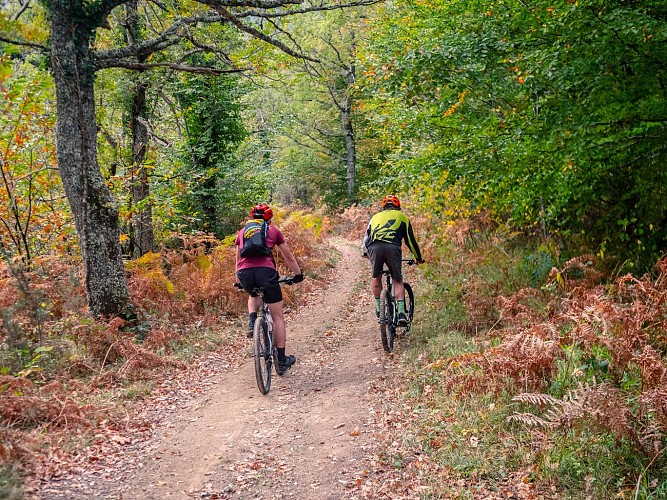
348	130
94	208
143	219
143	240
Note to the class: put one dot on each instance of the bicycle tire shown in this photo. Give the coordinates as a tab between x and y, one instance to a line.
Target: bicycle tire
262	353
387	321
409	303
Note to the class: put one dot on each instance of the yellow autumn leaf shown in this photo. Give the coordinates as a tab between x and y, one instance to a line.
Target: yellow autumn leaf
559	279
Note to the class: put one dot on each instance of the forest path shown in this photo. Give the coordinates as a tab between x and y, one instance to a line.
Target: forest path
310	438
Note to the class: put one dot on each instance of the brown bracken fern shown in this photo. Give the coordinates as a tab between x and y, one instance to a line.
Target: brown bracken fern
625	322
600	403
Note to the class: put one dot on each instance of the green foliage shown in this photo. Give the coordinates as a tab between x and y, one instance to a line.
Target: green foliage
550	115
213	191
35	219
588	462
599	441
302	139
197	181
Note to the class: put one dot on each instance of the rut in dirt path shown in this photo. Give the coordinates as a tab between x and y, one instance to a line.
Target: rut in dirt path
309	438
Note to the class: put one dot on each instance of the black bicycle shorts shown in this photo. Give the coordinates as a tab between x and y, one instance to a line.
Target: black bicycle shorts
261	277
381	253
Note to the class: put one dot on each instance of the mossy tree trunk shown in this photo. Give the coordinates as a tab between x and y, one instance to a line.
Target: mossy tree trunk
94	208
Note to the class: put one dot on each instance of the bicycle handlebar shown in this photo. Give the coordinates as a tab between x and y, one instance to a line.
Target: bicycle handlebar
284	281
410	262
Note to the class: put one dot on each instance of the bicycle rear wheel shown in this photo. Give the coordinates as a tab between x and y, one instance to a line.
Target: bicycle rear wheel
262	347
387	321
409	304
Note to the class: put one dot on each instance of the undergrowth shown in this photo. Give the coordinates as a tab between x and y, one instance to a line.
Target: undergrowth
532	377
10	484
64	376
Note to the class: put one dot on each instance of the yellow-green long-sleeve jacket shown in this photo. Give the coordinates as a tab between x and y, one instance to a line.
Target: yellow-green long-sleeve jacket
392	226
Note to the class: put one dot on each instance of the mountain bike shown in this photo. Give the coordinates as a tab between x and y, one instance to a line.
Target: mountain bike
264	350
389	312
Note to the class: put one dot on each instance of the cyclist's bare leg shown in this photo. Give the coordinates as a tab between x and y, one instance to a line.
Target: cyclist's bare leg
254	303
399	290
278	323
376	286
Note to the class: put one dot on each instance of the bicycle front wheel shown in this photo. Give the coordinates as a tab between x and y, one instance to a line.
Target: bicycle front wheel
387	321
409	303
262	348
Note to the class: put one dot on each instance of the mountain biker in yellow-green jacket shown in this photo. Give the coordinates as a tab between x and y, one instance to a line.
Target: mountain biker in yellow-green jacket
386	231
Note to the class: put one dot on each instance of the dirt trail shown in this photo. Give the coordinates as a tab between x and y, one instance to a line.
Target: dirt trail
309	438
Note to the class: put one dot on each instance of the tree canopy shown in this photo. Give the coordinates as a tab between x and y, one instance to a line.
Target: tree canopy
549	115
550	118
157	36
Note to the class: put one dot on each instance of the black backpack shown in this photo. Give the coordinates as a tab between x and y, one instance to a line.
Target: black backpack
254	239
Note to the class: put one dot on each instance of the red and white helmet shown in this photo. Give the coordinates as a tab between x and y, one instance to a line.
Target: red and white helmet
261	211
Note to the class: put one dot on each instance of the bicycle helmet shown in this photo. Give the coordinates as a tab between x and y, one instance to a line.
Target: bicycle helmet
392	200
261	211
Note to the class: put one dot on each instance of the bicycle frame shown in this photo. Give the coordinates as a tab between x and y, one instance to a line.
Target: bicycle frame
389	286
266	312
388	309
265	352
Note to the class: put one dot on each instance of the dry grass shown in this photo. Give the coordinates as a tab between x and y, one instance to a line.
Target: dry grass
618	324
59	361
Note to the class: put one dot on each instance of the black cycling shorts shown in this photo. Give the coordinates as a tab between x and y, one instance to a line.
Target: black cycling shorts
381	253
261	277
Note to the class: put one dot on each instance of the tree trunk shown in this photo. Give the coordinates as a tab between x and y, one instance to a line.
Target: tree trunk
142	221
94	208
348	130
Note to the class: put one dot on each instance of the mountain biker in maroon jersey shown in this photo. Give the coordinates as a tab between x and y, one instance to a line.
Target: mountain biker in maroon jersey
260	272
382	244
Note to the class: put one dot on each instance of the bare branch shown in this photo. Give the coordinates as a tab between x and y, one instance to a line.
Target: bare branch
168	37
173	34
322	149
110	139
304	132
161	5
151	132
24	43
99	12
286	33
174	111
16	16
304	10
255	4
212	50
334	98
258	34
120	63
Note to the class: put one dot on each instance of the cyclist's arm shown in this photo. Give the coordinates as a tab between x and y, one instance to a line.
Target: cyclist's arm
289	258
367	240
238	254
411	241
